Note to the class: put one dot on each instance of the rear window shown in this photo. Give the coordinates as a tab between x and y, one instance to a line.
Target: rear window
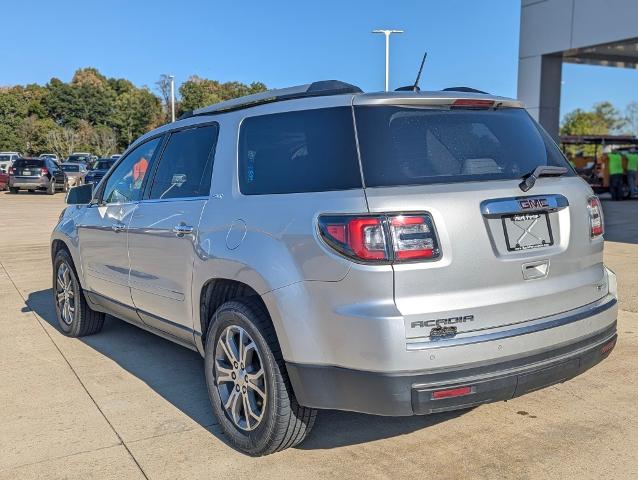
24	163
105	165
303	151
420	146
70	168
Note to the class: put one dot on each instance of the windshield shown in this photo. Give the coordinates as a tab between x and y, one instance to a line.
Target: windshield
4	158
420	146
78	158
70	168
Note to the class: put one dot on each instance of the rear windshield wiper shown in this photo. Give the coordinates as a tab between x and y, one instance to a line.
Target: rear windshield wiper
542	171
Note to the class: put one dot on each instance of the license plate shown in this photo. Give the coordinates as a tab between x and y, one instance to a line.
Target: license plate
525	231
26	172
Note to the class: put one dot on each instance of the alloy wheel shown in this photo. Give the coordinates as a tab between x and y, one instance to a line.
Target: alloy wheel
239	378
65	294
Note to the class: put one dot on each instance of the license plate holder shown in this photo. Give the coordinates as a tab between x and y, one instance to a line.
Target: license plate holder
26	172
527	231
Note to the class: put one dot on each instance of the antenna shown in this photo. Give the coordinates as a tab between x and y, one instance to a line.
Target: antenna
415	87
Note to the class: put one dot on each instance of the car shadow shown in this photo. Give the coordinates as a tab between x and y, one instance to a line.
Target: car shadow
177	374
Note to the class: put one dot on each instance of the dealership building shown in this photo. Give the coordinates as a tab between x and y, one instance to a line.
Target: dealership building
553	32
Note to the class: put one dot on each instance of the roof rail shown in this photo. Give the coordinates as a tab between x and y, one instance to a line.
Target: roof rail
315	89
464	89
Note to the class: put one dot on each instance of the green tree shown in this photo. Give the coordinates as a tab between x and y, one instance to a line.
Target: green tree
136	112
199	92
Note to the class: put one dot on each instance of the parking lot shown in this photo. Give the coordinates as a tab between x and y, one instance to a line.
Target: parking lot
128	404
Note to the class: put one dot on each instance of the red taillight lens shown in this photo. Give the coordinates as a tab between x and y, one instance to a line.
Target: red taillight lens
366	238
13	170
44	171
381	238
595	217
412	237
452	392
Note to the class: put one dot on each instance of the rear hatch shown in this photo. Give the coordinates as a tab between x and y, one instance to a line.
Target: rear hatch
27	168
505	256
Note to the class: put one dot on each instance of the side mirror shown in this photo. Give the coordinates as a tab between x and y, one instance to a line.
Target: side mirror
81	195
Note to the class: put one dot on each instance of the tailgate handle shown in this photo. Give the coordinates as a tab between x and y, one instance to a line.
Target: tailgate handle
534	270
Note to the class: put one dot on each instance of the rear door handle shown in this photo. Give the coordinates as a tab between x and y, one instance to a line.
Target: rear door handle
182	230
118	227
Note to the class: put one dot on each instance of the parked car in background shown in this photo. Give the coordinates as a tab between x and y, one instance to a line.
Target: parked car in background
395	253
79	157
75	173
52	156
100	167
36	174
4	181
115	156
6	159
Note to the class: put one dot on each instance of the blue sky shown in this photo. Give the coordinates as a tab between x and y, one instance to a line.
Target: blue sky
285	42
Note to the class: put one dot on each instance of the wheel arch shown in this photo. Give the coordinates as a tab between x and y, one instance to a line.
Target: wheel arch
214	293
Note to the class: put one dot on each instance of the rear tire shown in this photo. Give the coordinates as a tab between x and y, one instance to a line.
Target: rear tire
51	187
279	421
14	190
74	315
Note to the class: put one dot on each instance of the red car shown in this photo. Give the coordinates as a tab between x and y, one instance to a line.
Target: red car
4	181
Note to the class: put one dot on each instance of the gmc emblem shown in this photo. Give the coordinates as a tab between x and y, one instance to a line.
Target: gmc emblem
530	203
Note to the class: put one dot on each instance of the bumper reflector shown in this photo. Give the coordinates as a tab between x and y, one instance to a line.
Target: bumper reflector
608	346
452	392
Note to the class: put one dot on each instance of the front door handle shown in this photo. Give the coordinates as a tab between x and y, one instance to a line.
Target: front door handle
118	227
182	230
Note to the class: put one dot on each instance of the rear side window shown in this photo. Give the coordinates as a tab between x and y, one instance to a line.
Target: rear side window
186	164
302	151
420	146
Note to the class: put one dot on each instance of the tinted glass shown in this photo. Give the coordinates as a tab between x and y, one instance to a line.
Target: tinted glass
28	163
305	151
186	164
126	181
71	168
104	165
4	158
418	146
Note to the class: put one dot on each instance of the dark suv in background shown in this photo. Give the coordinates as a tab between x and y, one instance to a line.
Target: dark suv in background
36	174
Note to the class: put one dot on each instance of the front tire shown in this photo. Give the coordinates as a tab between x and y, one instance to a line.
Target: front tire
14	190
248	384
51	187
74	315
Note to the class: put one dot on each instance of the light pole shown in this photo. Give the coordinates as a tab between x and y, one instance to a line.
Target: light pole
172	97
387	34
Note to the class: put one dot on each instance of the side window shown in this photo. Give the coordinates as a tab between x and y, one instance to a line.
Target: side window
186	164
126	181
303	151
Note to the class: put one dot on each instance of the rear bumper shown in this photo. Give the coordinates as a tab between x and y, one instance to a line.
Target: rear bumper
401	394
28	182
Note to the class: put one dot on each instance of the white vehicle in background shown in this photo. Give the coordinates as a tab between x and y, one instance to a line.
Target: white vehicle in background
115	156
6	160
51	156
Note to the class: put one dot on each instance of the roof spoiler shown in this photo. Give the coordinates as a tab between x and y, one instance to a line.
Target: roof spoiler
316	89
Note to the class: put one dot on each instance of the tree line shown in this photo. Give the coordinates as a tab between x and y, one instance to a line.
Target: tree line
98	114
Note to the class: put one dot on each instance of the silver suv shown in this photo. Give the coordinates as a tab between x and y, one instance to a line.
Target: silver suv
398	253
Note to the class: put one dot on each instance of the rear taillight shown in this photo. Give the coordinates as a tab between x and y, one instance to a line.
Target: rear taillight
595	217
381	238
13	170
44	171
